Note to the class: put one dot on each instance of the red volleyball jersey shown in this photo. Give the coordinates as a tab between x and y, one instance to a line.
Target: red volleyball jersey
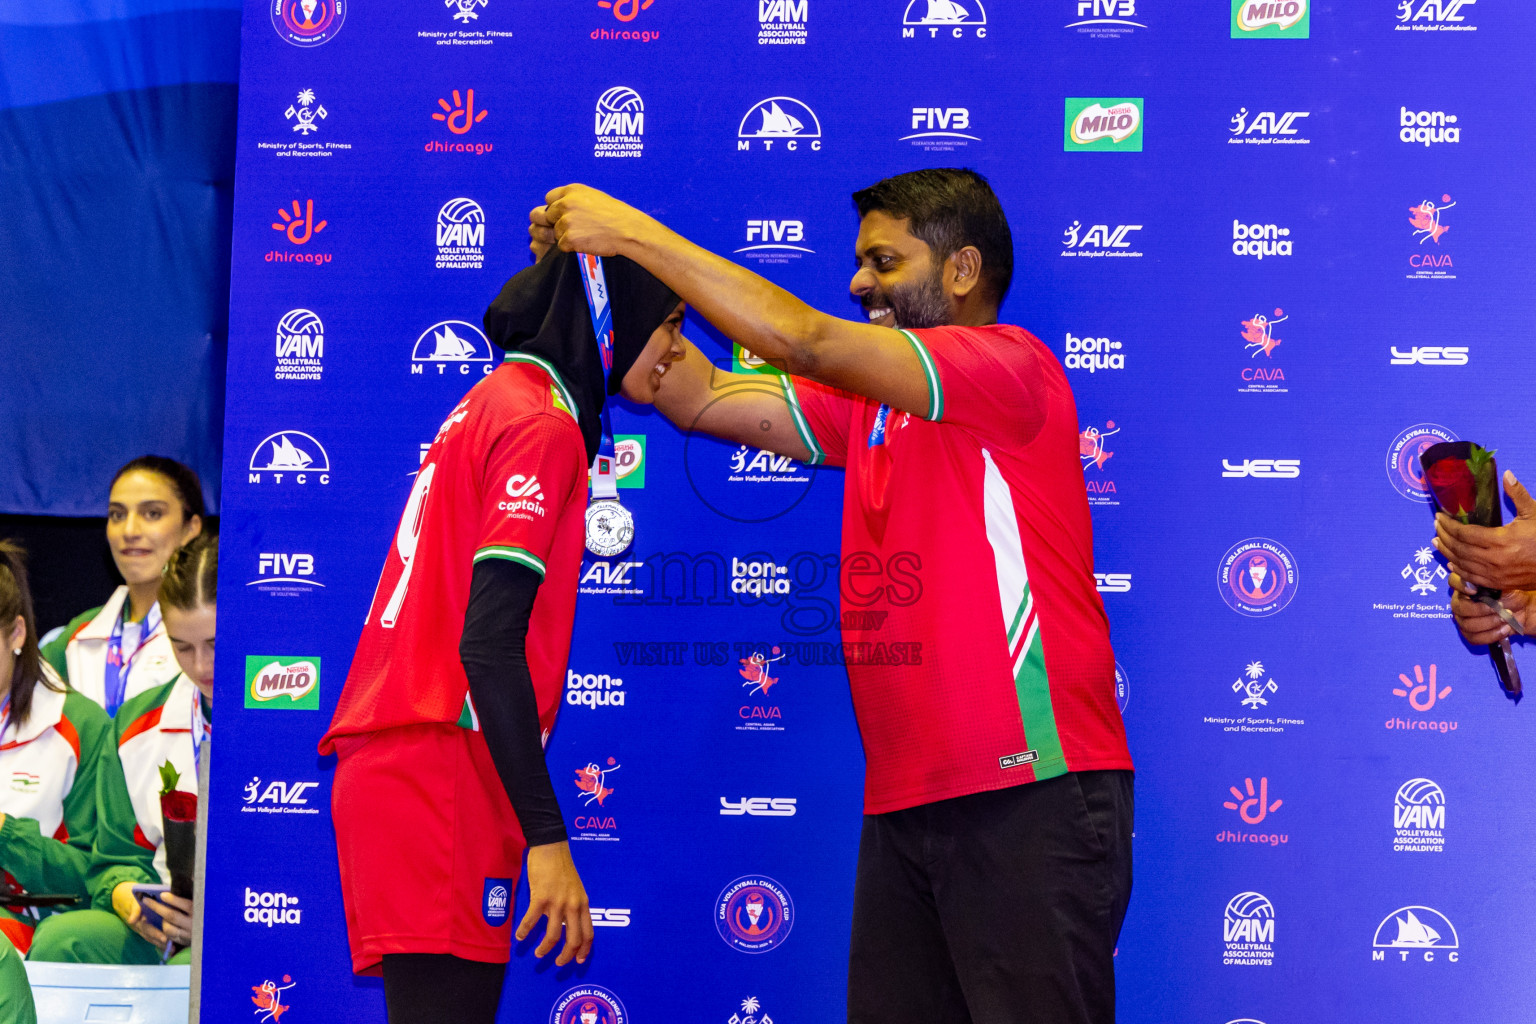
970	530
506	477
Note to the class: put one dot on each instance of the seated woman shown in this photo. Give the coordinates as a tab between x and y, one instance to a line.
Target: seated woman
120	650
53	745
168	723
16	1005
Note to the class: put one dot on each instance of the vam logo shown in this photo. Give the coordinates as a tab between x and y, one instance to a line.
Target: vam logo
1112	582
1271	19
1094	354
779	119
289	453
1248	931
1252	686
754	914
300	346
1105	19
284	574
271	908
1405	470
775	241
278	797
1431	355
1418	818
306	113
594	690
1103	125
588	1004
606	577
1260	240
1427	126
308	22
1262	469
1416	930
1434	16
940	129
451	343
758	807
1257	577
619	123
1268	128
782	22
461	235
496	901
283	683
1098	240
955	20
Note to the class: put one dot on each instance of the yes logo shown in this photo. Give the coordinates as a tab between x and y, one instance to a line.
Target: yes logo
1271	19
1262	469
1106	125
1431	355
282	683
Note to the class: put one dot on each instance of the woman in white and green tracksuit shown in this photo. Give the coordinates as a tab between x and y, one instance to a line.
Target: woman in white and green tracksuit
117	651
54	744
166	724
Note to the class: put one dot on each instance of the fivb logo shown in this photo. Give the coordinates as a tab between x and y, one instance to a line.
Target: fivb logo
1248	931
1431	355
1416	928
1271	19
290	454
1268	127
954	19
460	235
300	346
1427	126
1260	240
782	22
1434	16
1262	469
1105	19
1103	125
278	567
1098	240
451	343
1418	818
619	123
773	241
1094	354
940	129
779	119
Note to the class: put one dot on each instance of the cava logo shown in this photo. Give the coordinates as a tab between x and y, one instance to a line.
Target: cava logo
1418	818
1416	934
290	456
940	129
1105	19
754	914
758	466
460	235
619	123
758	679
1260	240
1268	128
307	22
451	343
1257	577
1112	582
1258	334
1431	355
605	577
1271	19
782	22
1404	468
268	997
775	241
277	797
1427	127
594	691
588	1004
1428	221
300	346
953	19
1434	16
277	682
758	806
779	119
285	575
1099	240
1103	125
1262	469
271	908
593	789
1094	354
306	113
1248	931
1093	451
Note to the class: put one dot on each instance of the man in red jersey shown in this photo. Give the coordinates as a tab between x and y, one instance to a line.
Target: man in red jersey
995	866
440	777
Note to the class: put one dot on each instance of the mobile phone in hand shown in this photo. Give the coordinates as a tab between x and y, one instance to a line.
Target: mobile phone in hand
152	917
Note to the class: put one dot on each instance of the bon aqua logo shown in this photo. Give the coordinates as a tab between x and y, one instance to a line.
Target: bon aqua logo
282	683
1102	125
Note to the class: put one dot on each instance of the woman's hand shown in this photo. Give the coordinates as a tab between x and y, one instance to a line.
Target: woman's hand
555	891
127	907
176	916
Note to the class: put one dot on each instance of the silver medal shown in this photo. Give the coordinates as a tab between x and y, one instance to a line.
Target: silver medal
610	528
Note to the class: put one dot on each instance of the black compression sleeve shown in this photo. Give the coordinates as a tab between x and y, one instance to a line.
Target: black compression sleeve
492	650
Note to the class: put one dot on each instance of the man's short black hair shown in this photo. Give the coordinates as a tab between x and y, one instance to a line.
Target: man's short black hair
949	208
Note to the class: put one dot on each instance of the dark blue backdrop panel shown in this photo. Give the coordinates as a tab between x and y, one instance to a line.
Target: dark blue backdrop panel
1253	314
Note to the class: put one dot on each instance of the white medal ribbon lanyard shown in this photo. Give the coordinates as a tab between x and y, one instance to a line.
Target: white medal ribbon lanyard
610	527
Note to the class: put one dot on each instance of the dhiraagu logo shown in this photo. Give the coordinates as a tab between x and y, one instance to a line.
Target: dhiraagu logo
1102	125
282	683
1271	19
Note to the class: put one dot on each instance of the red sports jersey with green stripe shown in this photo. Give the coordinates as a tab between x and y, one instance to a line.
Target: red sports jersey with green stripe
969	530
506	477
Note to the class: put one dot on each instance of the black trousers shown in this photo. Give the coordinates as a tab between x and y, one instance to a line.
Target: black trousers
438	988
995	908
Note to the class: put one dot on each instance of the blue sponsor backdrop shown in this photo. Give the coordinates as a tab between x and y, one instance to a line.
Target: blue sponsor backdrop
1315	261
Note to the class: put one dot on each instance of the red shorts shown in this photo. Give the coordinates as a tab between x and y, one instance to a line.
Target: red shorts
430	850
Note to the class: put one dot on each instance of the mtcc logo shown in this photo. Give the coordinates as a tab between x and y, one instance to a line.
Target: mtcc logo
779	119
308	22
1432	355
1418	818
460	235
1105	19
300	346
754	914
1260	240
1427	126
1419	933
1248	931
954	19
1257	577
619	123
1098	240
1404	468
588	1004
1262	469
452	343
1434	16
292	454
305	112
1271	19
1268	127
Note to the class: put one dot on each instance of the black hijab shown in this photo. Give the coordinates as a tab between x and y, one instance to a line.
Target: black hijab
543	311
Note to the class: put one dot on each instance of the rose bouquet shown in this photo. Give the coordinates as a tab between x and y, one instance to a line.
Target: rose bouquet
178	815
1464	480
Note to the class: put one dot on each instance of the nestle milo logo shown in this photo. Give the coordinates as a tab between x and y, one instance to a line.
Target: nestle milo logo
285	683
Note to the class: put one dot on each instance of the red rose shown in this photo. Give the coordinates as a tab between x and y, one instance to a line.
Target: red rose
178	806
1453	485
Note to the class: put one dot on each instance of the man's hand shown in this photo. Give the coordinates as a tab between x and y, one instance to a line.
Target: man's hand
555	891
1480	624
578	218
1501	557
127	907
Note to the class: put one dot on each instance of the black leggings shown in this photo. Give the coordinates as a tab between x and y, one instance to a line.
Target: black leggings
438	988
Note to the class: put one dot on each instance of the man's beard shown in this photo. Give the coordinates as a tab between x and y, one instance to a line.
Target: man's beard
917	305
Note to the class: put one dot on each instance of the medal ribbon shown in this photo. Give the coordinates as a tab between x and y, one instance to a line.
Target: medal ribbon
200	729
5	712
115	684
605	470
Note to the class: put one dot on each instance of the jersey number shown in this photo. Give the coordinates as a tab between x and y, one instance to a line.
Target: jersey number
405	541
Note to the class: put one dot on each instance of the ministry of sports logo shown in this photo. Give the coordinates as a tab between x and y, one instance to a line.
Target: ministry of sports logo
1252	686
461	235
305	112
779	119
451	343
1102	125
1404	468
934	19
308	22
1418	818
588	1004
1257	577
619	123
1433	15
754	914
1248	931
292	454
782	22
1415	933
300	346
1105	19
1268	128
1271	19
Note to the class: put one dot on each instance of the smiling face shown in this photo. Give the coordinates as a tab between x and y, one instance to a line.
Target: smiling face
896	282
191	636
146	523
663	349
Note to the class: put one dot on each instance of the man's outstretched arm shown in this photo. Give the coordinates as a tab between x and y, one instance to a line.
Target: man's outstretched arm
877	362
747	408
